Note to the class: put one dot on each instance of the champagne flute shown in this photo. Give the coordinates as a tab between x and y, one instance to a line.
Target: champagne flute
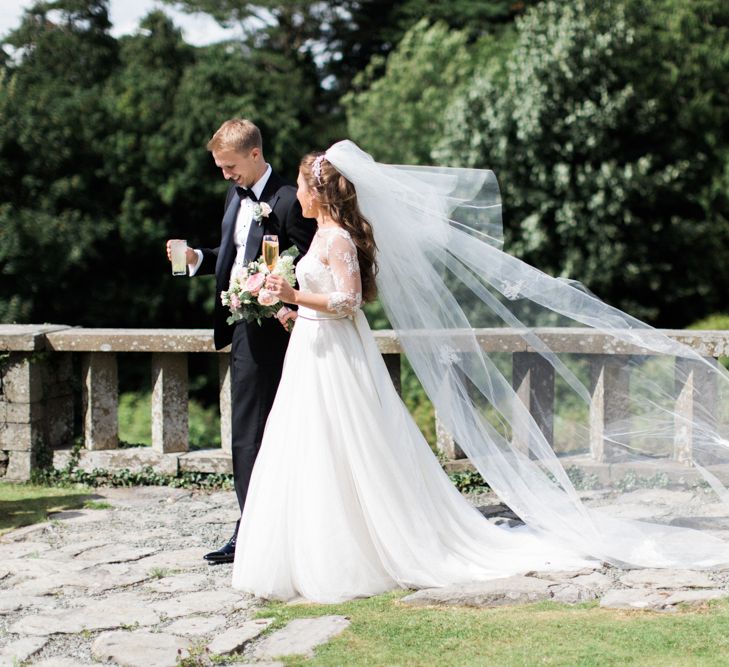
270	250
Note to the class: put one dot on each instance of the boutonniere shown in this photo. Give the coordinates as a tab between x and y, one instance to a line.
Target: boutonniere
261	210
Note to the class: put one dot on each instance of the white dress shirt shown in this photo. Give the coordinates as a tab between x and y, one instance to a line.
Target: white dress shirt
242	224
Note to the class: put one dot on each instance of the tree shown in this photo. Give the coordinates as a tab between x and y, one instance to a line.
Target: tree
399	115
609	135
102	157
477	18
53	200
139	101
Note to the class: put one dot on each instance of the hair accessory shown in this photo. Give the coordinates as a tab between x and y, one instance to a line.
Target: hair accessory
316	167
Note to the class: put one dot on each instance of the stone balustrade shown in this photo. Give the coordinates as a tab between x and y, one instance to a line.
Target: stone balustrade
37	384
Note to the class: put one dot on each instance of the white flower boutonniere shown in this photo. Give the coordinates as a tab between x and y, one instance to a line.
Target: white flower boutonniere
261	210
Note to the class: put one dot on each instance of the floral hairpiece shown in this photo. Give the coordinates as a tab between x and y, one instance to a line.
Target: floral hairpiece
316	167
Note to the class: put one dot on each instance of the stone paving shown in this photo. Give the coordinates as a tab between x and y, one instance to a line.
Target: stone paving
126	585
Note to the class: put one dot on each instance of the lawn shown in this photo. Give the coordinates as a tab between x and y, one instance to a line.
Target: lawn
385	632
25	504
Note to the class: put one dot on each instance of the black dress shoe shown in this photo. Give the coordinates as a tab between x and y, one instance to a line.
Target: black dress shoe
227	553
224	555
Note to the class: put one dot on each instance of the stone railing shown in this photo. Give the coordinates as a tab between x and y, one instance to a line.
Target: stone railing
37	391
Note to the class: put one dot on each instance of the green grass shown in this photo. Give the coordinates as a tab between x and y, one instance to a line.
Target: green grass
25	504
385	632
97	505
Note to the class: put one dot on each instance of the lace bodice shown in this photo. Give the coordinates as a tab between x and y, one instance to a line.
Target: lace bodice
331	267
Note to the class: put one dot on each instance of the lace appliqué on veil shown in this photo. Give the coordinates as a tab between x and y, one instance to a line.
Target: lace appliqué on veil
513	291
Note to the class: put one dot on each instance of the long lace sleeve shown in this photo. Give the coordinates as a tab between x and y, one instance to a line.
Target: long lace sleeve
342	260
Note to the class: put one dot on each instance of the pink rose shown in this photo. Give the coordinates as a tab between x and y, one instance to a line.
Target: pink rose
234	301
255	282
266	298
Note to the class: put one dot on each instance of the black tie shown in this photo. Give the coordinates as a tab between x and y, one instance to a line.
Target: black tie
245	192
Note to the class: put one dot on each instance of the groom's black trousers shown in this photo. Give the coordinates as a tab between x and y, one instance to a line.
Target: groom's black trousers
255	373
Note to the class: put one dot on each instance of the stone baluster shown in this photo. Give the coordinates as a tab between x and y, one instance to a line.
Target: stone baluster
609	409
21	415
226	437
696	404
36	400
532	377
445	442
169	402
100	385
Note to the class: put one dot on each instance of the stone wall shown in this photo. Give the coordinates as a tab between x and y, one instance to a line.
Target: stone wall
37	406
36	401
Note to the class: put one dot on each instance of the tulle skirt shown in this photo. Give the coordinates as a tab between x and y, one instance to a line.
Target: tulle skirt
347	499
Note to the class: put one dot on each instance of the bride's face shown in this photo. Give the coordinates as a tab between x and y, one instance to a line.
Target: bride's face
309	207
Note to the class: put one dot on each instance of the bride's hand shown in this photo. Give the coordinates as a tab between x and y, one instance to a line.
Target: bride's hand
280	288
286	315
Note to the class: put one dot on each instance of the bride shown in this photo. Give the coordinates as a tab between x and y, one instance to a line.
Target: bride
346	497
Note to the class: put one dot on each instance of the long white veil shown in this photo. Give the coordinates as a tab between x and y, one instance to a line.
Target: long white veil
596	429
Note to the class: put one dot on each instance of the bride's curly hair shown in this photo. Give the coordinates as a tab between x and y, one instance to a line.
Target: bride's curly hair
338	198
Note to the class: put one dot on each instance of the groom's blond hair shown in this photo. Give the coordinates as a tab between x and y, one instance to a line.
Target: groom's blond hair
236	134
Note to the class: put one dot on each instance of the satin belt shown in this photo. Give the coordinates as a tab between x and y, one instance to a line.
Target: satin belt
311	314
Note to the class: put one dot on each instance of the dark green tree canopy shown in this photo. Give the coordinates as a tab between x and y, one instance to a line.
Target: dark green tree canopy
606	123
609	136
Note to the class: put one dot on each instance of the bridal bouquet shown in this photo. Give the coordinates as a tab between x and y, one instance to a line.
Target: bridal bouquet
247	298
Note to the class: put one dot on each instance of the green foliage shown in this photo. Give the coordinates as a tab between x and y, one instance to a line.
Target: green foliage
582	480
135	421
632	481
135	418
476	17
417	402
397	117
609	134
102	158
339	39
73	476
53	213
469	481
147	476
717	321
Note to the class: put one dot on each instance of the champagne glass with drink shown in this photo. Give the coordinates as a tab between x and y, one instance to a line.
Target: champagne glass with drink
178	252
270	250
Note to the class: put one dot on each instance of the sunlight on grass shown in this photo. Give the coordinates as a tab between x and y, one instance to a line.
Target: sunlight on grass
26	504
385	632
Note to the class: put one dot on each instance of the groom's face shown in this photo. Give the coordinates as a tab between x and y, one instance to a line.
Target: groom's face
241	168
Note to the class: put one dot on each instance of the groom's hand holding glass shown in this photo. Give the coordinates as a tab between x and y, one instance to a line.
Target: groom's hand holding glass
190	255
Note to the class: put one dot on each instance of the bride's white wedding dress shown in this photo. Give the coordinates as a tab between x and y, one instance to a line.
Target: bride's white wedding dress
346	497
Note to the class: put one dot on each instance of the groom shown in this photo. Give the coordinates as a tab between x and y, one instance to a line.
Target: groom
257	351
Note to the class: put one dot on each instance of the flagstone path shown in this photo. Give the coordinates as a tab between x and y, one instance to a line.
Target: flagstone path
126	585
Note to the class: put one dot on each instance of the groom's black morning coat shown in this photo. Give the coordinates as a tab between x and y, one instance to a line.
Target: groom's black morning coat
258	351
